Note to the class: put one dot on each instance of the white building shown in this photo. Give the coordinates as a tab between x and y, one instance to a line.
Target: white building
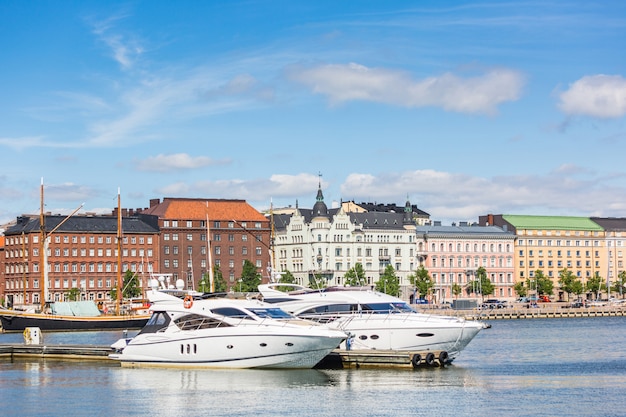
329	242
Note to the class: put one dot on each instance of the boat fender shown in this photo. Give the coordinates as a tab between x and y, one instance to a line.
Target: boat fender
188	301
416	360
443	358
430	359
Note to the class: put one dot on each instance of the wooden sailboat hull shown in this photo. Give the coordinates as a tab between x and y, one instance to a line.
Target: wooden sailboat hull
16	322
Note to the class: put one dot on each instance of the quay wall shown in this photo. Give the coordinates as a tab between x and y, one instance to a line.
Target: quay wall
521	312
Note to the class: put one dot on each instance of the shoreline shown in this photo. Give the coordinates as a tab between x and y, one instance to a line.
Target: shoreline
519	312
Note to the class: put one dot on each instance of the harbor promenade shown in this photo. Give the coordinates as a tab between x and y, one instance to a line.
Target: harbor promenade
521	311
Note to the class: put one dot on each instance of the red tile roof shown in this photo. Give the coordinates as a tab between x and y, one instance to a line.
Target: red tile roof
197	209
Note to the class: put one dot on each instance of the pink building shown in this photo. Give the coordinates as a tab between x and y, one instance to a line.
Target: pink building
452	254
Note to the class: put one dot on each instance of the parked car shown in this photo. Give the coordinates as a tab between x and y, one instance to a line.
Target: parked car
493	304
544	299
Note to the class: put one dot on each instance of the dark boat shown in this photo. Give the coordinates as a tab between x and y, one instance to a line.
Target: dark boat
58	319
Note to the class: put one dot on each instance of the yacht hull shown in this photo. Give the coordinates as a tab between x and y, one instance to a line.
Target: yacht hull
227	351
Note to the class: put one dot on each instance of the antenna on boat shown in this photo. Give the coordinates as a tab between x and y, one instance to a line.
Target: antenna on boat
209	254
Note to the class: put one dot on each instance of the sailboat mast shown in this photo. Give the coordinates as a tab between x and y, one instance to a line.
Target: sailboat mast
43	250
272	237
210	255
119	254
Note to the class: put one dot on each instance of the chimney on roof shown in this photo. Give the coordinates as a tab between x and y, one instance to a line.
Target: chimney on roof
154	202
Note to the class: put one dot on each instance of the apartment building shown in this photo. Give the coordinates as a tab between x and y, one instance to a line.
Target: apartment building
82	252
615	243
329	242
237	231
553	243
452	254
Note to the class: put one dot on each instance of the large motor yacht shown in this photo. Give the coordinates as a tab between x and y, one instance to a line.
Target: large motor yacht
373	319
220	332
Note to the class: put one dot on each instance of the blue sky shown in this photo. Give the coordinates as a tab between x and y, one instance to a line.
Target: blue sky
466	108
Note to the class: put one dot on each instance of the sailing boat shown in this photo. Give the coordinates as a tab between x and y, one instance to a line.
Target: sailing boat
72	315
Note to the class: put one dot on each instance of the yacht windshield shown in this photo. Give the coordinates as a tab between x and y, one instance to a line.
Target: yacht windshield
232	312
272	313
386	308
158	321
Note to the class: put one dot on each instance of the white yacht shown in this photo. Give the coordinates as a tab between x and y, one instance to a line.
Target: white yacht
224	333
374	320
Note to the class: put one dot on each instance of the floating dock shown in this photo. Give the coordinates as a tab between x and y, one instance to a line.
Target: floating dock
64	352
341	359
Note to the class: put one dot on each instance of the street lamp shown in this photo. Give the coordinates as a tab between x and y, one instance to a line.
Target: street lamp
240	281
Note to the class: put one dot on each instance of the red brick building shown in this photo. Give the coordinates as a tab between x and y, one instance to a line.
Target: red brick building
82	253
238	232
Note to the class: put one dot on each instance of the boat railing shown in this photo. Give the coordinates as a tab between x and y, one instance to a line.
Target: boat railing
200	322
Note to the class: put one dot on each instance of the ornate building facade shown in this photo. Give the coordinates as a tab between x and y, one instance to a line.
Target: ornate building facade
329	242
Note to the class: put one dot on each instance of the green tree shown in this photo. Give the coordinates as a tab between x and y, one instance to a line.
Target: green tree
578	288
569	283
130	286
542	284
286	277
422	281
520	289
355	276
389	282
595	284
73	294
250	277
481	285
219	283
619	286
317	281
456	290
486	286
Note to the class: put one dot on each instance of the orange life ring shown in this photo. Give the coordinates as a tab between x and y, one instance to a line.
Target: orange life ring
188	301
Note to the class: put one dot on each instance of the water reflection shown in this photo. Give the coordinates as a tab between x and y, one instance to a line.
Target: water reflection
222	380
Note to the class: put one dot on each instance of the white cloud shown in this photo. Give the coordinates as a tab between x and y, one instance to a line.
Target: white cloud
172	162
602	96
124	50
482	94
259	190
453	197
24	142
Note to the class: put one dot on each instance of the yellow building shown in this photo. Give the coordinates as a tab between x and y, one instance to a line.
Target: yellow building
553	243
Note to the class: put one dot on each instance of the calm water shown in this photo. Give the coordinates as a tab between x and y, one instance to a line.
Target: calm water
552	367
